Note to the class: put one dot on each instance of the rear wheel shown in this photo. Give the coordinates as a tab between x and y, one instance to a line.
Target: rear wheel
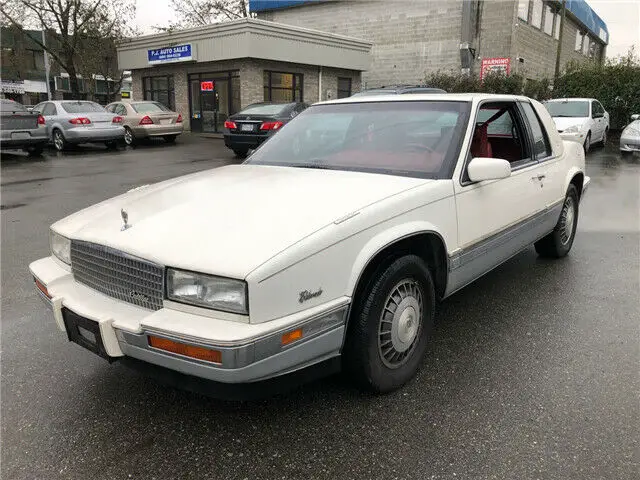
58	140
170	138
240	152
112	145
129	137
34	150
558	243
390	325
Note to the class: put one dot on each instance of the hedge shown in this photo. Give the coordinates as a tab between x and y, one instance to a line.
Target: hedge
616	84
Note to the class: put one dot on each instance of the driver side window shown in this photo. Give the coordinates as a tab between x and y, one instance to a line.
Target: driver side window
499	133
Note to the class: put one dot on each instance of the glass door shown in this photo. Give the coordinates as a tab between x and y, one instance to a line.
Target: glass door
210	101
194	104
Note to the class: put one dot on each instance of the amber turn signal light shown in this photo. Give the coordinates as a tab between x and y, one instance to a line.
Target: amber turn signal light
42	288
192	351
291	336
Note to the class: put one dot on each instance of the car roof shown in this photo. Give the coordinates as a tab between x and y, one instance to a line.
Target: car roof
458	97
572	99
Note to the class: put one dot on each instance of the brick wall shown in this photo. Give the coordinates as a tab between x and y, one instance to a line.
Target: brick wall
496	29
410	37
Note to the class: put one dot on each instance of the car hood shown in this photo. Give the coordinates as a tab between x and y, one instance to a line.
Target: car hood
230	220
562	123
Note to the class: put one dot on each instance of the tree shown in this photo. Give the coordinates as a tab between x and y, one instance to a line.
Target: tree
79	30
194	13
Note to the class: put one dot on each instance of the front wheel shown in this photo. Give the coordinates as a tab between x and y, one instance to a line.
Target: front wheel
390	325
587	143
558	243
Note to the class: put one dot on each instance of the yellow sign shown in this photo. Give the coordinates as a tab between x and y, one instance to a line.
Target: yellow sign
125	94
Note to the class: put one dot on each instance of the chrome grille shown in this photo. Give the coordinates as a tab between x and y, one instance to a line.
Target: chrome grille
118	274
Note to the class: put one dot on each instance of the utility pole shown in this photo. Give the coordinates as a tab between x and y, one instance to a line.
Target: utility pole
559	52
46	63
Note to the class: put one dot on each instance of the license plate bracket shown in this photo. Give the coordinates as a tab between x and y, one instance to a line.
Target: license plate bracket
85	333
246	127
165	121
20	136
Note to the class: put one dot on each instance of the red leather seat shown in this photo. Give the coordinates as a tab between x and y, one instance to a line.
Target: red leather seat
480	146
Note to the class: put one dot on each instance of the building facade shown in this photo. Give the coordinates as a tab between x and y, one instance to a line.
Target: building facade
23	75
209	73
412	38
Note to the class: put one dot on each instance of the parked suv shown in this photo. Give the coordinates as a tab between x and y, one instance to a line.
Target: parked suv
398	89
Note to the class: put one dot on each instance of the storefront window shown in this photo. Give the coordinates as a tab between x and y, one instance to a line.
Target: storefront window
282	87
344	87
160	89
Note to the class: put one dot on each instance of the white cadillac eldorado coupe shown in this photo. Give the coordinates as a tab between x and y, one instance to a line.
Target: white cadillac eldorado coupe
331	245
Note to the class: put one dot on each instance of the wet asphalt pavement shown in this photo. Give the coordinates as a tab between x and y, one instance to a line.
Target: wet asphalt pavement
533	372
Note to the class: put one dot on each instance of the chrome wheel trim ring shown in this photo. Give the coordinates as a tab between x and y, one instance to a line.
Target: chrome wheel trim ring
567	220
400	323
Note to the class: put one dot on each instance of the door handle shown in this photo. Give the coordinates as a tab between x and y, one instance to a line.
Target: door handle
539	177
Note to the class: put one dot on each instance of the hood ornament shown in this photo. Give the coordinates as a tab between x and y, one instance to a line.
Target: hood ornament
125	219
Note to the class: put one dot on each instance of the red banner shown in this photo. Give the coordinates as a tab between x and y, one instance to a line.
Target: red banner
495	65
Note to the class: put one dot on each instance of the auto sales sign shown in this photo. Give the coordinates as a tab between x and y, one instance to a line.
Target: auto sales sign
177	53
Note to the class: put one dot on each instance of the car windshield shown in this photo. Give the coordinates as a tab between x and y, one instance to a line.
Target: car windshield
568	109
264	109
9	106
149	107
81	107
418	139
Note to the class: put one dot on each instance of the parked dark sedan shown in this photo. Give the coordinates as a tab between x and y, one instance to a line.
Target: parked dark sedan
248	128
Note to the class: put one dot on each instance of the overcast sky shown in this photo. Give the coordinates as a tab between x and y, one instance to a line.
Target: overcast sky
621	16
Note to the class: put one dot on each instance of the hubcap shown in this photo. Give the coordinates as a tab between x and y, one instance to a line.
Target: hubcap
568	217
400	323
128	137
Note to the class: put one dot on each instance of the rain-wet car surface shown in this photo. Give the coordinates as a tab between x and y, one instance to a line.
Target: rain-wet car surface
535	371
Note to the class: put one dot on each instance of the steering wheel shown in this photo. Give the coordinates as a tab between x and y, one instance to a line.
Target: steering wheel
418	147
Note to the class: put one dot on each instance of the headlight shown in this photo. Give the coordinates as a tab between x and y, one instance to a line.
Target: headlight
207	291
573	129
631	131
60	247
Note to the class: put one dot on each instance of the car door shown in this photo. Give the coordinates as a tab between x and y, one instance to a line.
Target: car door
497	218
597	114
550	171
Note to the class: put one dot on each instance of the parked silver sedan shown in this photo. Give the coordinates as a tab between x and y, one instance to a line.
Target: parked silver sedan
146	119
79	121
630	138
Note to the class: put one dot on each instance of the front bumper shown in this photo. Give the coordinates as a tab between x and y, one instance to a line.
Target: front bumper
629	143
144	131
93	134
249	352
